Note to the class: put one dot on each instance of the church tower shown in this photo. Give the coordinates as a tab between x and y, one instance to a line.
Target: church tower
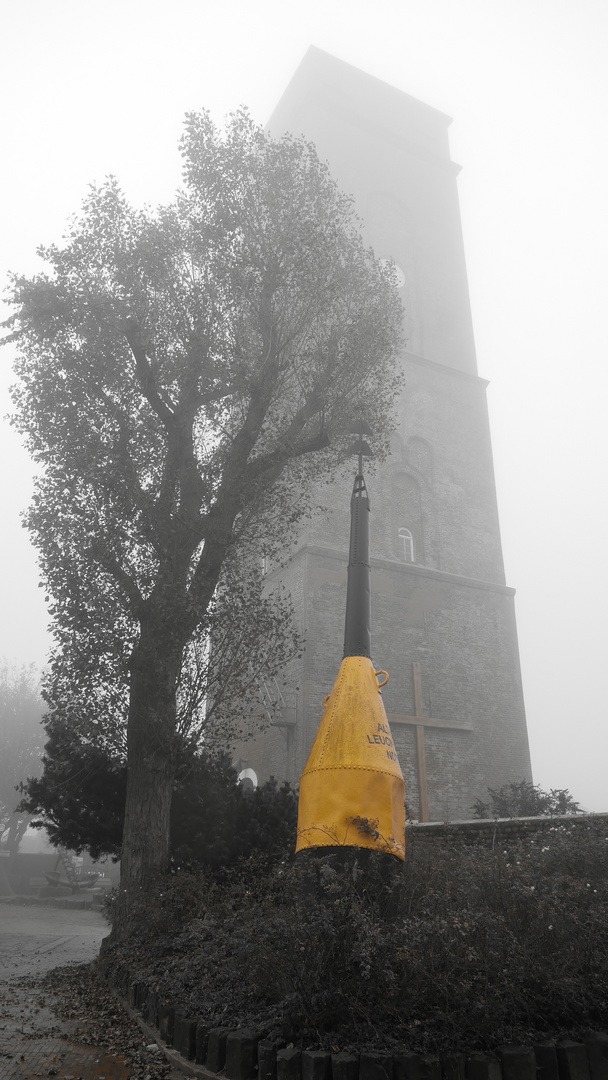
443	621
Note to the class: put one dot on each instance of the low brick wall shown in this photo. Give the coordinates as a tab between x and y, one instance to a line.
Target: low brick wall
243	1054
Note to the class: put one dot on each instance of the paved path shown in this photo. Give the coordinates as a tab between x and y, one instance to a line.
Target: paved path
34	940
34	1041
35	1044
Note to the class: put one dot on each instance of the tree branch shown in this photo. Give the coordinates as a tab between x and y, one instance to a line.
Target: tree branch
288	446
279	458
102	554
143	501
145	374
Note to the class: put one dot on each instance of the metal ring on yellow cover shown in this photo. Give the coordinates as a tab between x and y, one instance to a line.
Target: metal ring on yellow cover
381	672
325	700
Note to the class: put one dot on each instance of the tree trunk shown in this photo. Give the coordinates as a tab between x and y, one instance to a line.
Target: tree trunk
16	832
151	772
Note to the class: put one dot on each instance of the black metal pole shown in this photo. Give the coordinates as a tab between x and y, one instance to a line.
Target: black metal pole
357	624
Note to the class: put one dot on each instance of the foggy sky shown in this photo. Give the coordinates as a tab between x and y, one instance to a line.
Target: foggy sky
90	89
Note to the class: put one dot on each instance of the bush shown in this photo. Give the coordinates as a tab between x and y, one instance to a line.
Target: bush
462	947
215	822
80	797
525	800
80	801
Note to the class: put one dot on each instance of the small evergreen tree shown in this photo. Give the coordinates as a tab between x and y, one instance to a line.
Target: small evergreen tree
80	797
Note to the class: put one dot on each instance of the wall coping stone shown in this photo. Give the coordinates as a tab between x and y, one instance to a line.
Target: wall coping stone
498	828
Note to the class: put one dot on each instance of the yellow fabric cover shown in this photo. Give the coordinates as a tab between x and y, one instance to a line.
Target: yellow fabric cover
353	770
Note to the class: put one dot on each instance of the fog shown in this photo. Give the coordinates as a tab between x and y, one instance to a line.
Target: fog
90	89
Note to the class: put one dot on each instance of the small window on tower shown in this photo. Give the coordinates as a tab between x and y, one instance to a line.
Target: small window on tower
406	544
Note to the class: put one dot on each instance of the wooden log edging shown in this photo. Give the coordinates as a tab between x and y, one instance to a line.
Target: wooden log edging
200	1050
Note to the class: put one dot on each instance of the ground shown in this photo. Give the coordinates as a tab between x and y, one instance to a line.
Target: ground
56	1017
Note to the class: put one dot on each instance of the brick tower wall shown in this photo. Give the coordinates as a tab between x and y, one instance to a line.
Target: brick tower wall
448	610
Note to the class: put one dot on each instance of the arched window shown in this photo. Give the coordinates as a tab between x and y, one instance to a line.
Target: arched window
406	533
247	779
406	544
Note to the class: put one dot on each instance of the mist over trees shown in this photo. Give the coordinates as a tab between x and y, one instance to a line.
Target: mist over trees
21	742
185	375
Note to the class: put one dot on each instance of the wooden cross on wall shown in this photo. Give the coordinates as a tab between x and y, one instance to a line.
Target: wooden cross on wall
420	721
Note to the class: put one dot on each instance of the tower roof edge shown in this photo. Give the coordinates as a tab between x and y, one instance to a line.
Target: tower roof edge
365	94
